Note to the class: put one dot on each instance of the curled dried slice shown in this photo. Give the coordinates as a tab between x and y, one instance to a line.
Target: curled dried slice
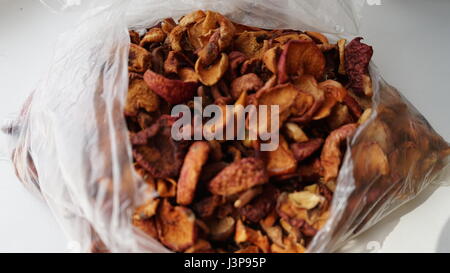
335	89
219	38
283	95
353	106
309	100
187	74
206	207
250	43
295	133
167	25
166	187
190	171
148	226
261	206
317	37
176	226
245	234
290	211
176	36
305	149
134	37
138	59
140	96
154	35
208	54
290	245
331	152
172	91
326	107
147	210
281	161
192	18
270	59
212	74
227	30
357	59
221	229
239	176
247	196
236	59
245	83
155	150
306	199
299	58
365	116
339	116
286	37
175	61
275	234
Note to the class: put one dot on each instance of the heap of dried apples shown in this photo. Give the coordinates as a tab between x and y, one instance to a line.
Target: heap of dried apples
227	196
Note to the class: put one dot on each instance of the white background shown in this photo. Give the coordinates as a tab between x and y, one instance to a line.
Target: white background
411	39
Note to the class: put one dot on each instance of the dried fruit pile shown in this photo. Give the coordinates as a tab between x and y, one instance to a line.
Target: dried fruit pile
228	196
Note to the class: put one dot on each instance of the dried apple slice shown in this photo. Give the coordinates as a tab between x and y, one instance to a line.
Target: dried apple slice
212	74
138	59
299	58
270	59
239	176
190	171
167	25
175	61
339	116
221	229
357	59
192	18
309	100
290	245
283	95
166	187
317	37
250	43
155	150
147	210
281	161
154	35
245	83
326	107
331	153
140	96
245	234
261	206
335	89
134	37
176	226
187	74
305	149
172	91
286	37
175	37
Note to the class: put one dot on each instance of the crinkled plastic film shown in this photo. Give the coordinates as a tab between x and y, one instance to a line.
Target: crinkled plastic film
70	141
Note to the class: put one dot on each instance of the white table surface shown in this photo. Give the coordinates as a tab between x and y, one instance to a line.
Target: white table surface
411	39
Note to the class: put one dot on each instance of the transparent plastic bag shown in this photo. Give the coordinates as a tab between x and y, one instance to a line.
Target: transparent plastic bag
70	141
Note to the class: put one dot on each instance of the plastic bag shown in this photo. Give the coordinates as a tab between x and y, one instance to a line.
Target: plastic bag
70	141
